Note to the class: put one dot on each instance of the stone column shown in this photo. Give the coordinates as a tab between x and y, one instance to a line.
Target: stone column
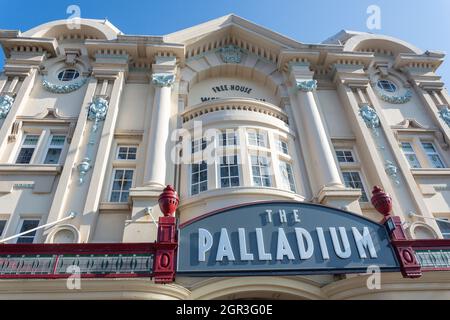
163	78
326	182
318	142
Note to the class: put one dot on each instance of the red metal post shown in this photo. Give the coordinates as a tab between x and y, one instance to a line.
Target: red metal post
409	266
164	264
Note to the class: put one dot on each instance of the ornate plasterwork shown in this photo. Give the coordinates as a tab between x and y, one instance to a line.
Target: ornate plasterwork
163	79
369	116
391	171
97	111
64	88
395	99
83	168
230	54
444	114
307	85
6	102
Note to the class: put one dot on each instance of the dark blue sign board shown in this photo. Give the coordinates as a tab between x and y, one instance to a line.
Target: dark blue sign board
283	237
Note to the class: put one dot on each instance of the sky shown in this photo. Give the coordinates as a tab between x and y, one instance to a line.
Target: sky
425	24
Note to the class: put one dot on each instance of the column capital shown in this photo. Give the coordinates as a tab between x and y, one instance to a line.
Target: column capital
306	85
163	79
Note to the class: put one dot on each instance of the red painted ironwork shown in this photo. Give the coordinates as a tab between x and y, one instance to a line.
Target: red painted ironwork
164	267
409	266
381	201
168	201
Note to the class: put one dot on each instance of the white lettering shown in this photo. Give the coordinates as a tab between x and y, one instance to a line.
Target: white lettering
224	249
269	215
283	218
346	251
260	242
283	247
296	217
323	244
205	241
303	235
245	256
363	242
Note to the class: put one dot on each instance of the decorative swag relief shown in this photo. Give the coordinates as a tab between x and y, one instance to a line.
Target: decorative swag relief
372	121
98	110
444	113
64	88
230	54
6	102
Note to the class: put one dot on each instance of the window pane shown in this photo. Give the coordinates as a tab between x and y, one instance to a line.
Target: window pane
25	155
52	156
31	140
115	196
28	225
58	140
2	226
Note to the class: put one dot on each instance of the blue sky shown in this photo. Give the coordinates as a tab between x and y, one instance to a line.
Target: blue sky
425	24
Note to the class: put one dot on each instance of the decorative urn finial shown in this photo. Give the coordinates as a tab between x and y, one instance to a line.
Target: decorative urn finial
381	201
168	201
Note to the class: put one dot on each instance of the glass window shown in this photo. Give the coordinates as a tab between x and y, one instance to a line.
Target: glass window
2	226
410	155
261	171
258	139
199	177
433	155
228	138
55	149
199	144
444	226
68	75
26	151
229	172
345	156
353	180
126	153
28	225
283	146
287	175
122	182
387	85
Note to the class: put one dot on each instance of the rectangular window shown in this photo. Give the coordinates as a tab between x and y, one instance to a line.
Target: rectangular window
433	155
28	225
2	226
229	172
444	226
126	153
287	175
228	138
258	139
55	149
198	145
199	177
261	171
283	146
122	182
345	156
353	180
410	155
26	151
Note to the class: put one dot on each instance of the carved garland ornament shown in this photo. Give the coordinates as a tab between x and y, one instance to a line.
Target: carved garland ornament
63	88
230	54
444	113
6	102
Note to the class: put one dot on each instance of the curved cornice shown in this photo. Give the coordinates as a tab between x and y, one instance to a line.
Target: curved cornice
242	104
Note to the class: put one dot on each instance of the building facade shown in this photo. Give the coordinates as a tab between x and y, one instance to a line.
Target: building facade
95	123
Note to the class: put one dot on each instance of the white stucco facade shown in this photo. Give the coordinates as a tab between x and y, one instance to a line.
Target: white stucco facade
292	115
